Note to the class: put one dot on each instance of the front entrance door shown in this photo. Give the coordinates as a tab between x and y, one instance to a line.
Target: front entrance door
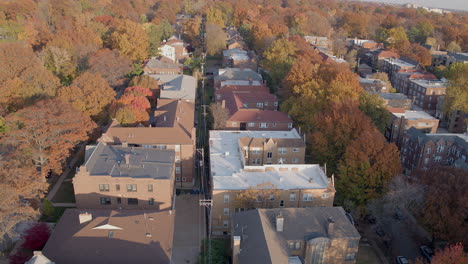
243	126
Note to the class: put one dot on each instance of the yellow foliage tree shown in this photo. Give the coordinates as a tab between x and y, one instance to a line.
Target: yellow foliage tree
131	39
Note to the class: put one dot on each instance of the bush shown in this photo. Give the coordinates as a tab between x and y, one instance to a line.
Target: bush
36	236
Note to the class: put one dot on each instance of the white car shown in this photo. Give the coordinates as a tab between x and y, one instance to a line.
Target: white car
401	260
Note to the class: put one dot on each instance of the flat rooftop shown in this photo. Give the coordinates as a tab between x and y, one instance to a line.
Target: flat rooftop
240	82
414	115
177	86
228	172
429	83
393	96
401	63
104	160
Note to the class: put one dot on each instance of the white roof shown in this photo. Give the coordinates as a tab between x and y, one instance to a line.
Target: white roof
240	82
414	115
177	86
228	172
400	63
429	83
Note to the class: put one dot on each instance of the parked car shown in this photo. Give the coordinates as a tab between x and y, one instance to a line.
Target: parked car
427	253
379	231
401	260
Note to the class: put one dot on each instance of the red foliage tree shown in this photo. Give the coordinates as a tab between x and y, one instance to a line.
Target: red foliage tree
452	254
36	236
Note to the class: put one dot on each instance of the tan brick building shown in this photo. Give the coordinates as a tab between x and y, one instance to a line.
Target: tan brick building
290	235
116	177
233	172
173	129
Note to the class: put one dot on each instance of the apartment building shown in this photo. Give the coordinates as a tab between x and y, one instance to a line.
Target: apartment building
425	151
396	100
294	235
119	177
376	58
391	66
425	94
402	120
180	86
401	79
446	59
234	170
453	121
172	129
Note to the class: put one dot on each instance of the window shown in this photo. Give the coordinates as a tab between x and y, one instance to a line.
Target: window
147	146
274	124
177	170
234	124
440	148
177	148
307	197
281	203
119	200
289	125
260	105
295	150
275	103
177	179
255	161
226	211
251	124
426	161
282	150
151	201
245	105
103	187
263	125
177	159
105	200
110	234
269	155
295	160
292	197
256	150
325	195
150	187
225	223
226	198
438	158
161	146
184	179
240	210
298	245
350	256
117	187
132	201
281	160
428	150
131	187
291	245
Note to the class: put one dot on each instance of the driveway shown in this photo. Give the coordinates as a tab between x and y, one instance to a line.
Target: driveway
189	229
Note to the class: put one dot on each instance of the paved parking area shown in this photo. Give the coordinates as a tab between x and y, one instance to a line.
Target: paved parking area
189	229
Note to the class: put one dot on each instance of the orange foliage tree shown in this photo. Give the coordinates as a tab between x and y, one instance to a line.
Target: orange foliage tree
133	106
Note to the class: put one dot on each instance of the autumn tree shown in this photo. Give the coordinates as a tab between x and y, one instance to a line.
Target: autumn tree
374	107
88	93
191	28
145	81
215	39
156	34
397	39
111	66
46	132
456	96
131	40
367	166
261	196
262	36
220	116
453	47
214	16
23	81
279	58
133	106
421	31
445	203
451	254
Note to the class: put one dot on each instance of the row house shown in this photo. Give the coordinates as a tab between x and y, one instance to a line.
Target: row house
425	93
425	151
234	170
294	235
162	65
402	120
401	79
172	129
391	66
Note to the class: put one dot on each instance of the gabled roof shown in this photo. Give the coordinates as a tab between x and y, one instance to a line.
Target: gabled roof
176	86
238	74
162	64
256	115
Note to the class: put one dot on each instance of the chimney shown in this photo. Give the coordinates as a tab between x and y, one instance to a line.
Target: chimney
125	144
331	226
223	104
279	223
85	217
236	249
127	159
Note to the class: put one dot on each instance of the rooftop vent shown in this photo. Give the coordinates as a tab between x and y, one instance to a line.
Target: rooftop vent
85	217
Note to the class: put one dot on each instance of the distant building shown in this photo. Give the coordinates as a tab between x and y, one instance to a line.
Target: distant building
182	87
377	58
402	120
425	151
111	236
294	235
239	58
396	100
240	160
175	49
401	80
364	70
236	74
374	85
118	177
321	42
162	66
391	66
425	93
454	121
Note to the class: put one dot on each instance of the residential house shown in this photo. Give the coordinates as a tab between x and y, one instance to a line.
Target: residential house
294	235
182	87
172	129
112	236
425	151
425	93
237	74
239	58
162	66
320	42
403	119
234	169
116	177
396	100
374	85
236	43
175	49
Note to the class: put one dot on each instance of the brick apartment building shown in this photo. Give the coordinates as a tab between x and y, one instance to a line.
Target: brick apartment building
401	80
172	129
425	94
238	162
119	177
402	120
391	66
294	235
454	121
425	151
